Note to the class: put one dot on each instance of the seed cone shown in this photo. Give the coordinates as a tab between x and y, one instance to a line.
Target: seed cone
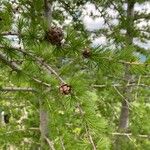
54	36
86	53
65	89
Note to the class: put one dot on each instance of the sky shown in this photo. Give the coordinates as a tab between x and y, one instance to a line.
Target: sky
93	24
98	22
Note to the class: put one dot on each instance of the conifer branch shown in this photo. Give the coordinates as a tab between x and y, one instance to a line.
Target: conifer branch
90	137
141	50
126	62
17	89
20	130
50	143
138	83
41	82
9	33
141	16
11	64
103	15
119	85
120	11
16	67
124	98
86	128
40	61
134	63
130	134
61	140
62	144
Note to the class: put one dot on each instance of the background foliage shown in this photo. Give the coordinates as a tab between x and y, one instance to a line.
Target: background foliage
32	71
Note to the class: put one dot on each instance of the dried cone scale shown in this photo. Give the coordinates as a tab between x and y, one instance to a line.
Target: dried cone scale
65	89
54	36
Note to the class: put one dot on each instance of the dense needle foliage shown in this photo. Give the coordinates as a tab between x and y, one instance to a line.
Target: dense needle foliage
34	70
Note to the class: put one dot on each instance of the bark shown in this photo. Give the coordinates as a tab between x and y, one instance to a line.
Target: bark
44	117
44	120
48	12
124	115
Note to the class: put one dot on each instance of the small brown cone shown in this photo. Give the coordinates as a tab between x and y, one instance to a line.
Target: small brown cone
86	53
54	36
65	89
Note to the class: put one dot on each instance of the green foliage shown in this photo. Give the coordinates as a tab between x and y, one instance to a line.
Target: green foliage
89	115
6	18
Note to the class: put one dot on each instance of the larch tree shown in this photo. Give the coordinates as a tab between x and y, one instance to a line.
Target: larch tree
59	91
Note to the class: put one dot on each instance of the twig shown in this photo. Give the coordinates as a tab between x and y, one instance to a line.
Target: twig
119	85
40	62
126	62
17	68
122	96
50	143
11	64
130	134
90	137
62	143
41	82
134	63
15	89
136	94
18	130
86	128
141	16
9	33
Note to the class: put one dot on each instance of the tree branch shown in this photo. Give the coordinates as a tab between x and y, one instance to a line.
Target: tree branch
130	134
48	12
119	85
141	16
127	62
9	33
40	61
17	68
62	143
17	89
11	64
86	128
50	143
90	138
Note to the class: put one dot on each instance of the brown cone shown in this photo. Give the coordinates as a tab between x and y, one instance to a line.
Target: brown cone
65	89
54	36
86	53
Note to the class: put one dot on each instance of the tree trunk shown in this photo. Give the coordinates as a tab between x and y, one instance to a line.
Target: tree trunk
44	117
44	120
48	12
124	115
